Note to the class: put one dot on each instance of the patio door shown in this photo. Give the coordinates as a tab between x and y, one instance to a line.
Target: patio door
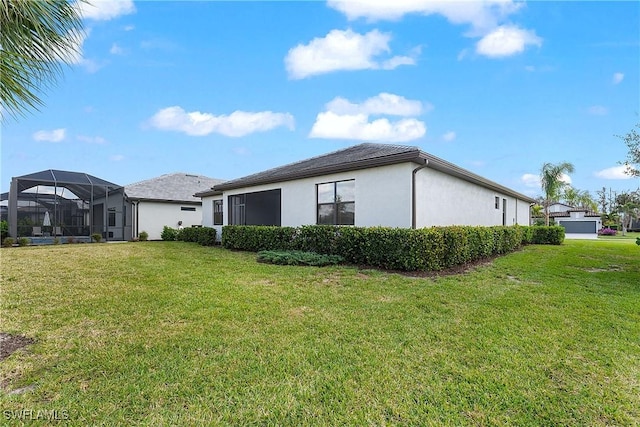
97	222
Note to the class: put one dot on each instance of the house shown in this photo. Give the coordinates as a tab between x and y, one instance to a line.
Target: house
365	185
578	222
166	200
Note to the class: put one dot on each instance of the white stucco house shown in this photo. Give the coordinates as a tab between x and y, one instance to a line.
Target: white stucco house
166	200
365	185
578	222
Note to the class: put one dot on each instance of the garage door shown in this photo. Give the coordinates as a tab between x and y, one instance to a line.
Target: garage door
579	226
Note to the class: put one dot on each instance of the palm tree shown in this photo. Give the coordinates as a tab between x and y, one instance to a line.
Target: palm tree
629	206
552	184
37	37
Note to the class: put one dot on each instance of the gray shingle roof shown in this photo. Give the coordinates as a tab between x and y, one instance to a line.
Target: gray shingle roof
362	156
357	157
174	187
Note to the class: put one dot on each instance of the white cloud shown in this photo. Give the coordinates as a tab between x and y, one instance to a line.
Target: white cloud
91	139
617	78
116	49
56	135
530	180
449	136
506	41
481	15
383	103
105	10
238	123
598	110
343	119
116	158
615	172
343	50
333	126
565	178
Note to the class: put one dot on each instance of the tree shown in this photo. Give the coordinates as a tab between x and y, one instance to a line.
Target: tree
37	37
579	198
632	139
628	204
552	183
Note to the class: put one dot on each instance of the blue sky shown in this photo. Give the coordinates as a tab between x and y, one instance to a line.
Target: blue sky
226	89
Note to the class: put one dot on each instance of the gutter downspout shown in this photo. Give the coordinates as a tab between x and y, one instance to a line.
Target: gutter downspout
413	192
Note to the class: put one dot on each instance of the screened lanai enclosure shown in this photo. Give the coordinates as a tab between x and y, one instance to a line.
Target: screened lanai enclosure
57	204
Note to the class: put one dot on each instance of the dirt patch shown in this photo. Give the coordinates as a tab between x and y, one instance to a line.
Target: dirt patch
10	343
599	270
452	271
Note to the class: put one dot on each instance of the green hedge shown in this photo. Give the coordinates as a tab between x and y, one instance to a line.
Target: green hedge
392	248
206	236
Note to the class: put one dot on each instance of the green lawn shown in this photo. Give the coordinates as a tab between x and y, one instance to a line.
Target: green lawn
629	235
171	333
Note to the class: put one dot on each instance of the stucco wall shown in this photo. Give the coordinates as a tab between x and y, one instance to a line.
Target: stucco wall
153	216
442	199
207	214
383	197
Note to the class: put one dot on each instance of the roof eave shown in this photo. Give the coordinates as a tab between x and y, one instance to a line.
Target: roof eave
410	156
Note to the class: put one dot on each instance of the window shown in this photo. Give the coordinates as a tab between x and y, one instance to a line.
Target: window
187	208
236	209
217	212
497	202
336	203
257	208
112	219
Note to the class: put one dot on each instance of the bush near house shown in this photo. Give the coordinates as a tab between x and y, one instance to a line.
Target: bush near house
206	236
433	248
168	233
4	229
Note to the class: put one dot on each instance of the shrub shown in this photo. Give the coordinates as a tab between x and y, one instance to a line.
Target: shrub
606	231
7	242
71	239
4	229
56	241
23	241
206	236
638	241
391	248
552	235
143	236
168	233
96	237
298	258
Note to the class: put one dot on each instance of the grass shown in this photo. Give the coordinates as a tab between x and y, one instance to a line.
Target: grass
171	333
631	235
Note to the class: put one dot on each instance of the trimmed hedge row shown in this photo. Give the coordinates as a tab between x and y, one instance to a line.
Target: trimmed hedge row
206	236
392	248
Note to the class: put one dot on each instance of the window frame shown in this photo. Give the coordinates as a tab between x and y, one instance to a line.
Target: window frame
218	212
336	204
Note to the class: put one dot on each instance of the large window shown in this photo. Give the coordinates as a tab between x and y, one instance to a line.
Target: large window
337	203
217	212
258	208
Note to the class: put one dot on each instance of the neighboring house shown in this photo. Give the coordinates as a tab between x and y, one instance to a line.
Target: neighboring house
365	185
166	200
559	207
577	221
